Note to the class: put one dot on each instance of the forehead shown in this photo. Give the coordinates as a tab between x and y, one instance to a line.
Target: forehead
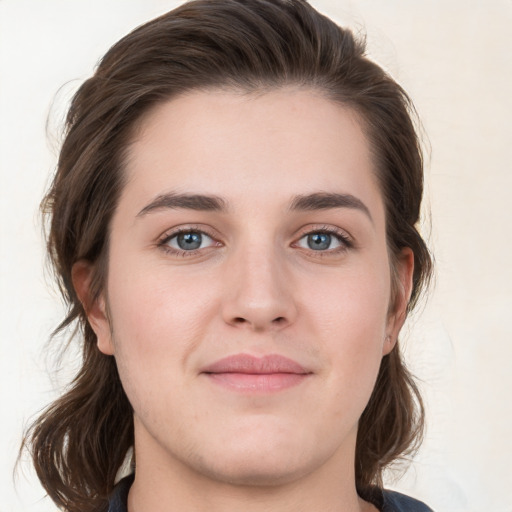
245	146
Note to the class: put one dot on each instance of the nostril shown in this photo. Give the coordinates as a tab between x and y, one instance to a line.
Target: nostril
259	322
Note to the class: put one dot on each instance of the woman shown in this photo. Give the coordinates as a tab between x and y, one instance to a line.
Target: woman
233	223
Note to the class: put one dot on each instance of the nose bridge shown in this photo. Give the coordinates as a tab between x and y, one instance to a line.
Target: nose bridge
258	290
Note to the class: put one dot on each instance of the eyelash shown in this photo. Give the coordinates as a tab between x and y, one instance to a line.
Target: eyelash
345	241
167	237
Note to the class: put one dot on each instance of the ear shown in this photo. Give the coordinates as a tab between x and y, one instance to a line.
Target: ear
403	274
95	308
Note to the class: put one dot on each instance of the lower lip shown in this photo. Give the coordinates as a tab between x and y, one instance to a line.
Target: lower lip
262	383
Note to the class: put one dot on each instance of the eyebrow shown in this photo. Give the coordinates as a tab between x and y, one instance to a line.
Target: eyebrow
212	203
328	200
187	201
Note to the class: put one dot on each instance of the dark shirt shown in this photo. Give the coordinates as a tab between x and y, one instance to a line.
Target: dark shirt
385	501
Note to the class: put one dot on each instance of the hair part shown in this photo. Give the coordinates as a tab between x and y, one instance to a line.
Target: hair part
80	441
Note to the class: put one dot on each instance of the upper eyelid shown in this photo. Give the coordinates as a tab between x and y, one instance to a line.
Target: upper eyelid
172	232
325	229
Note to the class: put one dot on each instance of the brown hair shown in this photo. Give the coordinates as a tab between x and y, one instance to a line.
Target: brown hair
79	443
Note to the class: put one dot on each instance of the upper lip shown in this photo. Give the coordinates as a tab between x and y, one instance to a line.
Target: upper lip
246	363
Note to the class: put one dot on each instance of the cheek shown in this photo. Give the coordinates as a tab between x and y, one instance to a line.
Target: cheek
350	317
157	324
354	301
156	319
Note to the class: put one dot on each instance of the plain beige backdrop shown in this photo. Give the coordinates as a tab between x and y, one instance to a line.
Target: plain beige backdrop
454	58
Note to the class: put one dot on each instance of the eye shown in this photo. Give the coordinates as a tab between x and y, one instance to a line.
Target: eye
323	241
188	241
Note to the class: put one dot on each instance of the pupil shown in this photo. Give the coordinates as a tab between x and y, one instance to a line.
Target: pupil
319	241
189	241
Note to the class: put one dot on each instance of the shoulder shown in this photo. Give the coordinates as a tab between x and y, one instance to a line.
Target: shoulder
396	502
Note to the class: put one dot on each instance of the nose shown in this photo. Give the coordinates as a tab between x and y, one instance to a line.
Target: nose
258	291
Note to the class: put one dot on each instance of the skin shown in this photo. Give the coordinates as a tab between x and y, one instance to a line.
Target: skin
255	287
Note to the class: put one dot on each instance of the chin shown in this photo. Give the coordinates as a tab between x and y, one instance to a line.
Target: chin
253	471
259	461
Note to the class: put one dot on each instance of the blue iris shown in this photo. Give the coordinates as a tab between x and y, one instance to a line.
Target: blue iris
189	241
319	241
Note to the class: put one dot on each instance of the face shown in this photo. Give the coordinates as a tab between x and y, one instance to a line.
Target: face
249	287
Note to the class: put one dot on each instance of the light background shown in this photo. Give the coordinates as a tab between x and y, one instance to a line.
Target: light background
454	58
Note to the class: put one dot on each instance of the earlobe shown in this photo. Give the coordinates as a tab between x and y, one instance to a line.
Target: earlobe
404	277
95	308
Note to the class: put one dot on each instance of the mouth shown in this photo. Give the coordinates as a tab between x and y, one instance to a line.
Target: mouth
246	373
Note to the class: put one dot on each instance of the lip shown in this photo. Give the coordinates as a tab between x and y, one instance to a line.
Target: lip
247	373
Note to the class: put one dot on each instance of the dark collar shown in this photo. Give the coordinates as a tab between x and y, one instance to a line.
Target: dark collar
119	499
